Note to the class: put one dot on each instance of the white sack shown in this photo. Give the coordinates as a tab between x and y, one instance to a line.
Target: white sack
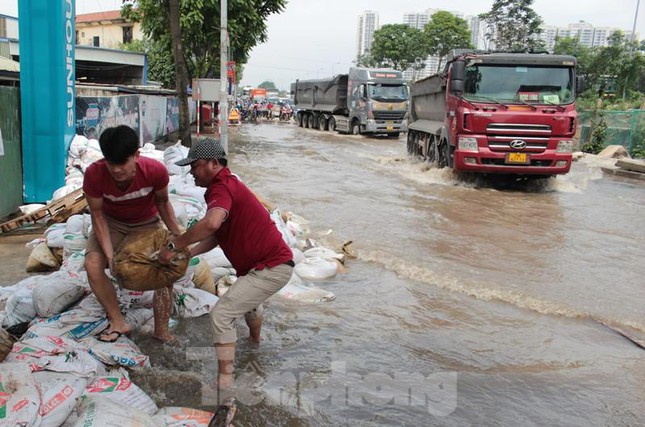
54	296
316	269
21	400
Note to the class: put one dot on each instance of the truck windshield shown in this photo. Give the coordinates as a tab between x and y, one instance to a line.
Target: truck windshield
519	84
381	92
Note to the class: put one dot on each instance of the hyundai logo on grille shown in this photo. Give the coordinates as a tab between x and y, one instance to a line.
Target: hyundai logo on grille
517	144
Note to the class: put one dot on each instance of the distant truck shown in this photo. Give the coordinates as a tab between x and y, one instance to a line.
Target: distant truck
500	113
258	94
364	101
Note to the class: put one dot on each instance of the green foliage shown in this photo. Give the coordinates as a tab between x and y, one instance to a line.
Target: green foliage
366	60
398	46
267	85
445	32
160	64
572	46
598	136
513	26
638	143
200	29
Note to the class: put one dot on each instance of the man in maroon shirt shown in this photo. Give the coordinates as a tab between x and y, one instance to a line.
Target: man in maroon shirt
242	227
126	193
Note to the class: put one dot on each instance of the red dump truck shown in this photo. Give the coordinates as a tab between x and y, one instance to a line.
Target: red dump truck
500	113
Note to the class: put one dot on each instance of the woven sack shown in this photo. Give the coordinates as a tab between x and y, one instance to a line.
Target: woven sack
136	266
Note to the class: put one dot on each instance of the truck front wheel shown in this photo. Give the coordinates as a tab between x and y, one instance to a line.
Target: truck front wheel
445	155
355	129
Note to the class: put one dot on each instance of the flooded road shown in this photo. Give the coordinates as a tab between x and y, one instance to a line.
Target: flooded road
467	305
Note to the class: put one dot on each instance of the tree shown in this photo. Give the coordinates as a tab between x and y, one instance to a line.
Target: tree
181	72
161	67
199	23
398	46
366	60
267	85
617	61
513	26
445	32
572	46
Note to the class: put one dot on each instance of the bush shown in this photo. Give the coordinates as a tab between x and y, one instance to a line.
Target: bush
598	136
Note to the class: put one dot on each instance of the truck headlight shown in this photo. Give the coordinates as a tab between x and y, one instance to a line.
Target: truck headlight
467	143
564	147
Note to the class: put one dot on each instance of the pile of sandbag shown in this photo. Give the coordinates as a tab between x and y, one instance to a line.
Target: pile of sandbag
58	372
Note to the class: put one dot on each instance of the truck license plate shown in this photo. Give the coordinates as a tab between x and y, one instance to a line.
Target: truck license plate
517	158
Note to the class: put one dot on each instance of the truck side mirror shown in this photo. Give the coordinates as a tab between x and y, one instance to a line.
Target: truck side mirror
457	86
458	70
457	76
581	84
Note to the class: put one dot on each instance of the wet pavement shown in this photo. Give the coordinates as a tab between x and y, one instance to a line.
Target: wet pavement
468	304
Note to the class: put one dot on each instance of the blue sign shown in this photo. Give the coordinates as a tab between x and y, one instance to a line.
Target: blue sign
47	32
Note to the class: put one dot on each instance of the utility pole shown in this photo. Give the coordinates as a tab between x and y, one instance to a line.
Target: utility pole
223	93
631	42
631	49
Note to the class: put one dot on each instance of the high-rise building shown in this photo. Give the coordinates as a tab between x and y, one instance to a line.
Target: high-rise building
588	35
367	24
416	20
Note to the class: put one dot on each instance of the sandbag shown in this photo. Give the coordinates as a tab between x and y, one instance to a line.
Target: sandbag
203	277
135	264
316	269
182	417
296	290
41	259
54	296
99	411
20	396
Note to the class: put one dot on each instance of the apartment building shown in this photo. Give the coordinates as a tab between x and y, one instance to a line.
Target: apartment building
367	23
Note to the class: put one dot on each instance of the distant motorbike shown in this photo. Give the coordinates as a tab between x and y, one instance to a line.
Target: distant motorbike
285	114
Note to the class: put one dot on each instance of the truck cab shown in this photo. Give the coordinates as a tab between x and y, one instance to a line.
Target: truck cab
378	101
504	113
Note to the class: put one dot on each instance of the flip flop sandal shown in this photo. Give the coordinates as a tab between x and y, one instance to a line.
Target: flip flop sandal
117	334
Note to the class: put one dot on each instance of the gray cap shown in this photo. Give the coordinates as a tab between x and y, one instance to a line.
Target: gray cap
205	148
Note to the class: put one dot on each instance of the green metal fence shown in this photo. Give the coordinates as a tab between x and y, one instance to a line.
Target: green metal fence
626	128
10	151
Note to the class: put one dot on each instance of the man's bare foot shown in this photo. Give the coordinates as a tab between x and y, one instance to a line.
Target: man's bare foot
255	340
166	338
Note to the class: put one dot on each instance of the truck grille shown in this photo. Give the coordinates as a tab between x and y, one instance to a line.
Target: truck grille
501	134
388	115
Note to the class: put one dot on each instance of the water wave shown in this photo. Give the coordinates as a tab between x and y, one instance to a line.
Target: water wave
488	292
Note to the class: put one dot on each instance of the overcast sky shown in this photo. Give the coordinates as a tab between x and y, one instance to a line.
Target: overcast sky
313	38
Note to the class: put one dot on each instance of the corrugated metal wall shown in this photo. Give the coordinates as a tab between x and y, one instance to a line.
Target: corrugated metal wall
11	161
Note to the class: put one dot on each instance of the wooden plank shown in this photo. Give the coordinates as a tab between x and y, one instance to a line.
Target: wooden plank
59	210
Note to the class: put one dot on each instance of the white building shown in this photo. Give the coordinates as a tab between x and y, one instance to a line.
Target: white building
367	24
588	35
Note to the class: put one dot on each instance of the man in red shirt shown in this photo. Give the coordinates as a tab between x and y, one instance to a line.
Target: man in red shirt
242	227
126	193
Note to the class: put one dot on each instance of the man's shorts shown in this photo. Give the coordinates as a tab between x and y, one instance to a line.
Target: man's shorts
245	298
118	231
